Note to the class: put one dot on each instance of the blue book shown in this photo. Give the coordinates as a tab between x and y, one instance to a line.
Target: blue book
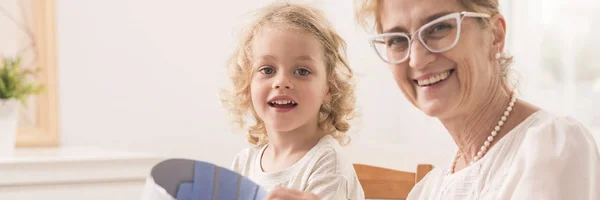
196	180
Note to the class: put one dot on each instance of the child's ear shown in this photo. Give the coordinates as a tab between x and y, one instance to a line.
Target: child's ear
327	98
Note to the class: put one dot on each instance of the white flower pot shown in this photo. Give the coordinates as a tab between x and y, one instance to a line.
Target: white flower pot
9	121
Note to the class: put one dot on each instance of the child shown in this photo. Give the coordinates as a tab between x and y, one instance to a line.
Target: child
291	74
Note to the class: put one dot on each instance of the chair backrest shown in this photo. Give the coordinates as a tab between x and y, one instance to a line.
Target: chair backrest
383	183
196	180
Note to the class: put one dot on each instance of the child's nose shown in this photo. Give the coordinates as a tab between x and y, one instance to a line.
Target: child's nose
282	82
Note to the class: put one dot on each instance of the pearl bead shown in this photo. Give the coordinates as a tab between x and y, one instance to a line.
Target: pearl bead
500	123
487	143
511	104
497	56
506	113
503	118
509	109
491	138
494	133
497	128
479	154
483	148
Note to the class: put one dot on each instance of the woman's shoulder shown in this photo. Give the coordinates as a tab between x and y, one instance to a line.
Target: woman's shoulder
556	159
551	135
552	128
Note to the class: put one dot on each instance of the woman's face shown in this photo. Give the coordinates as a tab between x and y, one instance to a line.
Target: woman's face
451	82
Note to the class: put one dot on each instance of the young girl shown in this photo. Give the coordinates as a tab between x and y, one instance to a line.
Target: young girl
291	74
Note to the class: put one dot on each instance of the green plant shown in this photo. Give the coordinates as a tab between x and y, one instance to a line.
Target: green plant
15	82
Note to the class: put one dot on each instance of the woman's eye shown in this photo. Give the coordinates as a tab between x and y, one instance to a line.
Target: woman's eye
439	30
441	27
395	41
267	70
302	72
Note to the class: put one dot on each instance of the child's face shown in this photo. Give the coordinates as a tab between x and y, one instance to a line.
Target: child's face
290	79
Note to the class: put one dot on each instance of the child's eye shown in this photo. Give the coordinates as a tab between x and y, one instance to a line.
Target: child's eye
302	72
267	70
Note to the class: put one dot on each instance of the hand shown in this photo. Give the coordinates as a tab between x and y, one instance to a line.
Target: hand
288	194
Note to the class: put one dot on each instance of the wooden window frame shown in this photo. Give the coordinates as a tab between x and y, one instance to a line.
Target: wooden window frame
45	131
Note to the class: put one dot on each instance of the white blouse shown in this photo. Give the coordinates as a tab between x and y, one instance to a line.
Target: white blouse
544	157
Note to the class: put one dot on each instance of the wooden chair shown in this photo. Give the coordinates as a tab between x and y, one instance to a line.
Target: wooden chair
383	183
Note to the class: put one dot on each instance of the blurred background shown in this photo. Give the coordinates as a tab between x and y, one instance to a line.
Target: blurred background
137	81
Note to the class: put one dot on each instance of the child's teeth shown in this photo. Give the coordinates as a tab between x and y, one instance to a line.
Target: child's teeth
282	102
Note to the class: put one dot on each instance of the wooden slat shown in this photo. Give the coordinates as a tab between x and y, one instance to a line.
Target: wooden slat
383	183
422	170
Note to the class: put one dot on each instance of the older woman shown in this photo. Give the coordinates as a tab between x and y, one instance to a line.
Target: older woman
447	58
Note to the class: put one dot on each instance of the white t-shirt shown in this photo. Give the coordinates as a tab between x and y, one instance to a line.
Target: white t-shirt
544	157
324	171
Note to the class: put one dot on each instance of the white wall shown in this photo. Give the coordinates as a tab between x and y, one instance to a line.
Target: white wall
139	75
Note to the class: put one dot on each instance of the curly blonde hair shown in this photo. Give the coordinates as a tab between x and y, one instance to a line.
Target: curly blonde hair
367	16
333	117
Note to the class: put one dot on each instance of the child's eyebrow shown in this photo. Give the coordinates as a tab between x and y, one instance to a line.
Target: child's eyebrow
267	57
298	58
305	57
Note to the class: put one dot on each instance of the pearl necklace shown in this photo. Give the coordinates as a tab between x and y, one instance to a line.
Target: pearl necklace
490	138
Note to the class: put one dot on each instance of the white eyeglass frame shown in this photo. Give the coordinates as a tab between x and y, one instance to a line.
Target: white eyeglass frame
459	16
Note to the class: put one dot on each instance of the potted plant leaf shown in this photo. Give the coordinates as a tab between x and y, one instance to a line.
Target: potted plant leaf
16	85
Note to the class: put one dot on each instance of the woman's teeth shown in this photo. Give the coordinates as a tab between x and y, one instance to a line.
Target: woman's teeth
434	79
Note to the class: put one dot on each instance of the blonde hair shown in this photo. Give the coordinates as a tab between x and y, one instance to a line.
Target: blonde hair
367	14
333	117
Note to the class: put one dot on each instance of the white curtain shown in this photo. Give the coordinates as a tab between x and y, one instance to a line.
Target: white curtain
556	44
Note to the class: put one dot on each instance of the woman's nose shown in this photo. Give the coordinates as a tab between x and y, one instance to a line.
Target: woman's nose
420	57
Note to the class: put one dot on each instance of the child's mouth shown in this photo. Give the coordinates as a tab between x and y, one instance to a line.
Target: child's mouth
282	104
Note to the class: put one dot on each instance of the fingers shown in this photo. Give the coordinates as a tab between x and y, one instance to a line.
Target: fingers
281	193
309	196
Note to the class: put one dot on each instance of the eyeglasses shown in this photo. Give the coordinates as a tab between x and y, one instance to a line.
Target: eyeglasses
436	36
